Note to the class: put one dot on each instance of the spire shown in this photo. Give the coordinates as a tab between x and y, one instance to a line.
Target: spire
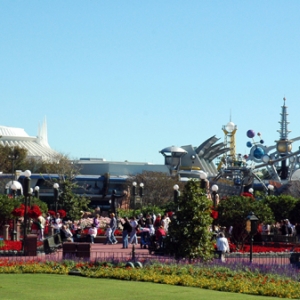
42	138
283	131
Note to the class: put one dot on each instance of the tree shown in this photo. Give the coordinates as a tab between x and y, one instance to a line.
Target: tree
189	235
12	158
233	211
283	207
72	203
7	205
158	187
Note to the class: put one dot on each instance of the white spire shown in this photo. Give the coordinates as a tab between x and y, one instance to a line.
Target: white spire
42	138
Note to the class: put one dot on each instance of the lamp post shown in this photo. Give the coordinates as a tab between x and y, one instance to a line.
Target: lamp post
176	195
270	189
55	193
215	195
141	192
251	227
30	195
113	202
14	189
26	191
37	191
134	193
203	177
14	192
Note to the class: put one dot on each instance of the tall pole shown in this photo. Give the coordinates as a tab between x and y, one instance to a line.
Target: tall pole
251	246
26	191
176	196
55	193
141	192
134	194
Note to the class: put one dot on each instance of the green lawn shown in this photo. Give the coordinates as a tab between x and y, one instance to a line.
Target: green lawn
44	286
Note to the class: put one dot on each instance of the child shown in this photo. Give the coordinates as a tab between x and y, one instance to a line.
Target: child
108	235
92	233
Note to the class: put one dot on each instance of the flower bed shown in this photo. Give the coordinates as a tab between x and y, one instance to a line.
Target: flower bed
13	248
247	279
270	247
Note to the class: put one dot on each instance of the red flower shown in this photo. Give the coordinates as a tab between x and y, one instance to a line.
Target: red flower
34	212
19	211
214	214
245	194
62	213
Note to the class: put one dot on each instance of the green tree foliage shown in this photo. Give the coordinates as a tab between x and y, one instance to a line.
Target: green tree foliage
6	207
189	235
72	203
68	199
158	187
12	158
283	207
234	210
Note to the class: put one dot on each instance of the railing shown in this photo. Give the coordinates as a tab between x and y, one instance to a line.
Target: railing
83	255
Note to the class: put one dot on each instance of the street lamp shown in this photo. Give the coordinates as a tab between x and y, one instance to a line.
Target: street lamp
14	189
270	189
215	195
203	177
141	192
134	193
30	195
26	192
251	227
176	195
37	191
55	193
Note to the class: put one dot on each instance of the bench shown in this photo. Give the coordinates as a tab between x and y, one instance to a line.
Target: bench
52	243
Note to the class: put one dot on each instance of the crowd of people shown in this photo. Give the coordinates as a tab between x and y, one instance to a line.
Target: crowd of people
149	226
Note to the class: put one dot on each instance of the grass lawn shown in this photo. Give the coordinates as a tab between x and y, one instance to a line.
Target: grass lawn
44	286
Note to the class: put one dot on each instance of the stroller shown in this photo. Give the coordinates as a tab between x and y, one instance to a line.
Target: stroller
155	246
145	238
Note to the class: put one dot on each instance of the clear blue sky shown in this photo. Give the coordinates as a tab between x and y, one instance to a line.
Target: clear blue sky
122	80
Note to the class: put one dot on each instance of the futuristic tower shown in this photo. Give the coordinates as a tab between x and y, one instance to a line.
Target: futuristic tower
282	162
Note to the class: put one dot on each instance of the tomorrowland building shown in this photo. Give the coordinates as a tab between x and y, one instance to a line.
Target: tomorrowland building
186	161
37	146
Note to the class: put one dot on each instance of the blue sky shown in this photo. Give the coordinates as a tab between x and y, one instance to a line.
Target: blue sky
122	80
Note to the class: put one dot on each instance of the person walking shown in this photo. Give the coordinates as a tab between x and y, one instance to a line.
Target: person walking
222	246
126	230
133	237
113	225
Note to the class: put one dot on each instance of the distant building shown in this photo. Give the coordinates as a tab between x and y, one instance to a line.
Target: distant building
37	146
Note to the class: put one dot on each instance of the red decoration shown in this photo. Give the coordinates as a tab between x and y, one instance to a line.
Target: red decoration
51	212
34	212
247	195
20	211
214	214
62	213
